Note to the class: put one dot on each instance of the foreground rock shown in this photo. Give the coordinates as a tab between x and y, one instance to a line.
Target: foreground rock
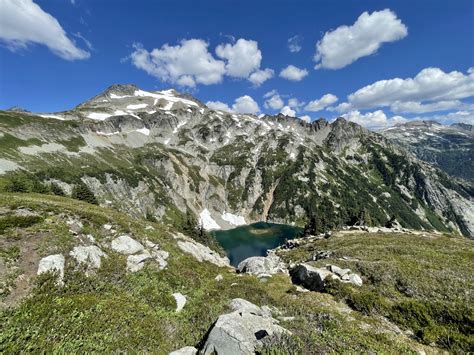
52	263
262	266
126	245
315	279
242	331
200	251
90	255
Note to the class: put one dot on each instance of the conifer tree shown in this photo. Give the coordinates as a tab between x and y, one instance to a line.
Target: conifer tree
83	193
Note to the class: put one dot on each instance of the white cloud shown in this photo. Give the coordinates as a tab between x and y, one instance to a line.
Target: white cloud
294	44
218	105
187	64
322	103
23	22
286	110
245	104
346	44
295	103
430	85
293	73
243	57
373	120
274	100
305	118
260	76
190	63
417	107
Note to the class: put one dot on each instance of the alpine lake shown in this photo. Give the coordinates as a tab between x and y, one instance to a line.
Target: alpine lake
254	239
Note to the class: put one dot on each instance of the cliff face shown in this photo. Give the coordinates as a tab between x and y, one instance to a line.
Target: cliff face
160	154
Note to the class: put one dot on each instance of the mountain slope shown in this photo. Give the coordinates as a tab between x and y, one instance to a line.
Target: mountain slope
111	309
449	147
161	154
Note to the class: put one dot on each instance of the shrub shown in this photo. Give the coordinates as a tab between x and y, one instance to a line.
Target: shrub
83	193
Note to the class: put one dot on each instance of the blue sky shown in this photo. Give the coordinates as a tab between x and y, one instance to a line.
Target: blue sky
47	66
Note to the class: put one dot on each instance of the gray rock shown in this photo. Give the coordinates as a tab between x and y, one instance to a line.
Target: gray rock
338	271
180	301
241	332
352	279
126	245
52	263
160	256
310	277
187	350
137	262
202	253
260	265
90	255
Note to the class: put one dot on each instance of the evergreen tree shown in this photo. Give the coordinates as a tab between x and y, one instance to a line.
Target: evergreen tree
56	189
83	193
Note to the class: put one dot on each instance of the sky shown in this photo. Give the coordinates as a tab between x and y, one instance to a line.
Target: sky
376	62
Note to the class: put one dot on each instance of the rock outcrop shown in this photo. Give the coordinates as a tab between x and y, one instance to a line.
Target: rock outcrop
52	263
89	255
241	331
199	251
126	245
262	266
314	279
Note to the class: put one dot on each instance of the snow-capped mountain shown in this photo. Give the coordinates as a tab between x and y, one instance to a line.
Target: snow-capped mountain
163	154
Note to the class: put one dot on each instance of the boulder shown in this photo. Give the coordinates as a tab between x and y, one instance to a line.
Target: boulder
352	279
242	331
52	263
126	245
202	252
260	265
137	262
89	255
187	350
160	256
338	271
310	277
180	301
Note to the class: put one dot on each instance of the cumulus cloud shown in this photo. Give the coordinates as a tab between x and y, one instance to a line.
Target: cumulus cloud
245	104
242	104
293	73
346	44
190	63
294	44
373	120
243	57
186	64
322	103
23	22
218	105
305	118
295	103
430	90
274	100
260	76
286	110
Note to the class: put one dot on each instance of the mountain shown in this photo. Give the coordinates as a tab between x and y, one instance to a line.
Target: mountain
451	148
165	156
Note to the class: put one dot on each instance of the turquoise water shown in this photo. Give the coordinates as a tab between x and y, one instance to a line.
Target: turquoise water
254	240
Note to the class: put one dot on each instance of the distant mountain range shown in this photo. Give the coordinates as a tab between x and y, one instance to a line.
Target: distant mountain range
449	147
164	155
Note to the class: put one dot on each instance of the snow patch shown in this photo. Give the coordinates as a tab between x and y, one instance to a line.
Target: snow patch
107	134
53	116
207	222
137	106
233	219
113	96
144	131
98	116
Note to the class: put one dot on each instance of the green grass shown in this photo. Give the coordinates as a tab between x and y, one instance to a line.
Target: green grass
117	311
422	283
